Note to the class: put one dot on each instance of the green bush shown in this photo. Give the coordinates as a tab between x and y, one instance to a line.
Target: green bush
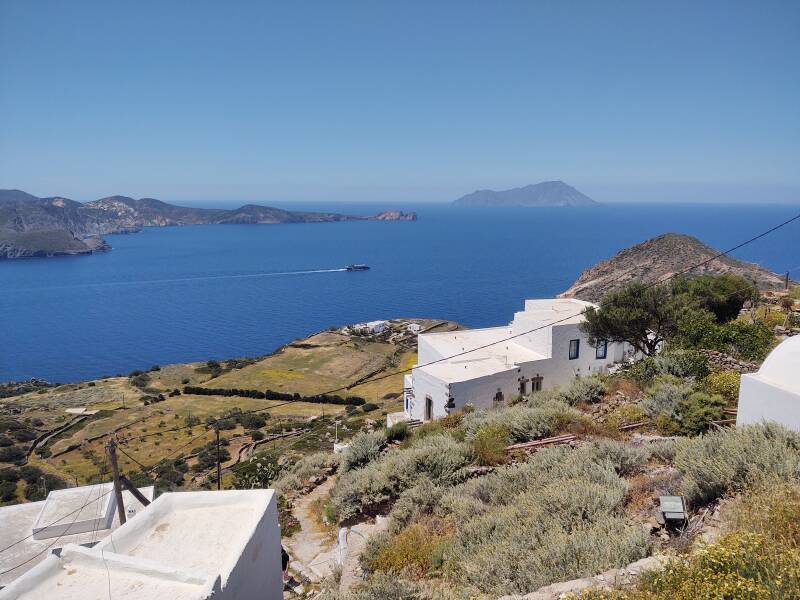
312	465
8	491
438	458
584	390
696	412
369	407
555	517
731	459
725	384
524	422
397	432
414	502
361	449
625	458
489	444
9	474
665	398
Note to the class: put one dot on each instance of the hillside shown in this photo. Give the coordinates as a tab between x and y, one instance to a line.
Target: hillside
31	226
547	193
62	429
661	257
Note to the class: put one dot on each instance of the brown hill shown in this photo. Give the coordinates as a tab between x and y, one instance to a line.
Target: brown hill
660	257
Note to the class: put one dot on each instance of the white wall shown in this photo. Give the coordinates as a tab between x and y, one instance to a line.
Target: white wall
426	384
760	401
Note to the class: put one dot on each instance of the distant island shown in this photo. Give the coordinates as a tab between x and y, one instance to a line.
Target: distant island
56	226
546	193
660	257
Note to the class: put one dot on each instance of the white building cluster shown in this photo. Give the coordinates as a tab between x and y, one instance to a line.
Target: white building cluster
541	348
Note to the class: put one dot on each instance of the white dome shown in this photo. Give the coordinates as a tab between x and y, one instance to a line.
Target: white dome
782	366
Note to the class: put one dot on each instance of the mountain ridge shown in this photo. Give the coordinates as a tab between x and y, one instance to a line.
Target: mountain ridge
545	193
659	257
42	227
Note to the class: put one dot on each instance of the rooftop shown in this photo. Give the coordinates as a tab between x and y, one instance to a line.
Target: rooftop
479	361
81	515
184	546
780	367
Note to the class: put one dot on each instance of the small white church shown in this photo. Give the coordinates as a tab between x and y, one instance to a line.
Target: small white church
484	368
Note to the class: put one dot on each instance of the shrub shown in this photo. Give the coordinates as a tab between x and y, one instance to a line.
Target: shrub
625	458
381	587
725	384
9	474
413	552
438	458
413	502
584	390
626	415
12	454
39	490
489	444
8	491
296	476
30	473
696	412
666	397
5	441
256	436
523	526
369	407
140	381
524	422
733	458
363	448
397	432
252	421
740	565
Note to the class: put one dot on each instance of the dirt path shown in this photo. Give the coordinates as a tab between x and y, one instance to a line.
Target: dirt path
312	550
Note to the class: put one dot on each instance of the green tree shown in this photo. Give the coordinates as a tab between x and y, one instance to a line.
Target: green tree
641	315
722	295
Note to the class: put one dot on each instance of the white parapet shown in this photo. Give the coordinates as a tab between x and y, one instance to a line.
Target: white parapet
184	546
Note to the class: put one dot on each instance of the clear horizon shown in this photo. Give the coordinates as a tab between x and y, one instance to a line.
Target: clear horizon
385	103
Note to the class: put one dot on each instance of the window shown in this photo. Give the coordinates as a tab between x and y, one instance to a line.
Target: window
498	397
601	350
523	386
574	349
536	384
428	408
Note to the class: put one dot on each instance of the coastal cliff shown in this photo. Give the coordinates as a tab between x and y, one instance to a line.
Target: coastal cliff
55	226
660	257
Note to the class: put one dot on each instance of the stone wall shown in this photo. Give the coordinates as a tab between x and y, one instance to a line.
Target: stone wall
719	361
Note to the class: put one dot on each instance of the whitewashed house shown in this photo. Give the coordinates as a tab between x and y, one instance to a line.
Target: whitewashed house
79	515
224	545
773	393
486	371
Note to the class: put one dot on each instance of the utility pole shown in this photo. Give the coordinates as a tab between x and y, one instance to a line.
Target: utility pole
112	454
219	475
787	281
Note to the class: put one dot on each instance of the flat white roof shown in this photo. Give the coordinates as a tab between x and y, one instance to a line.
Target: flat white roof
479	361
183	546
18	522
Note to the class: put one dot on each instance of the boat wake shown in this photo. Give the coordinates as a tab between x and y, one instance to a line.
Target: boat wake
186	279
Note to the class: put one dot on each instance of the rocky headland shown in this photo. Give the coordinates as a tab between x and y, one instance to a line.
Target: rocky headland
55	226
660	257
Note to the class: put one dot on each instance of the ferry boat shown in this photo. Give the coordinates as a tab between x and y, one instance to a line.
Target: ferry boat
357	267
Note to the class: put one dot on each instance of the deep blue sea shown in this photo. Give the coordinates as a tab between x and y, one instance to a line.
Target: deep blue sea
181	294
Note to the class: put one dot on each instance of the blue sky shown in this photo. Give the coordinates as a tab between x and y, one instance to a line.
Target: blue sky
415	101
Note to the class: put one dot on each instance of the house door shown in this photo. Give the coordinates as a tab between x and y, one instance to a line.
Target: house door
428	408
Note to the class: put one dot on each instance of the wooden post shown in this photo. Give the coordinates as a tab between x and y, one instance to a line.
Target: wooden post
787	281
112	454
219	476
